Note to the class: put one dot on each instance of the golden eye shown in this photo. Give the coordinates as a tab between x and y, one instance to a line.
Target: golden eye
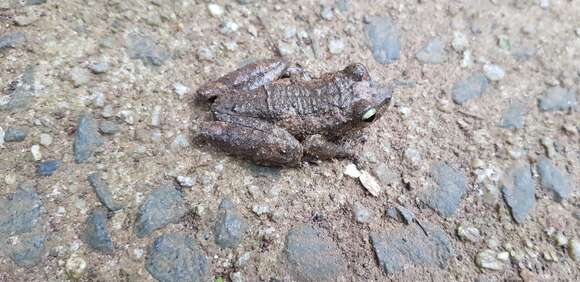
369	115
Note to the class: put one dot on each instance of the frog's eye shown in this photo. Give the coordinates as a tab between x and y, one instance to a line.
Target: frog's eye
369	115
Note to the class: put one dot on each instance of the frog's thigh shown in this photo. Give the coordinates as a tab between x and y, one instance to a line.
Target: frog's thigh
315	146
248	77
264	144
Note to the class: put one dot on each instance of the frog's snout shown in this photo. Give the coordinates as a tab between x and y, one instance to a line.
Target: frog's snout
382	95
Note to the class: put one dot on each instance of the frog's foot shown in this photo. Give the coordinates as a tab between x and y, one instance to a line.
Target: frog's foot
316	147
253	139
248	77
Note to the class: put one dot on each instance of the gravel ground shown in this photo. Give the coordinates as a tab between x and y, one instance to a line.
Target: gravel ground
472	174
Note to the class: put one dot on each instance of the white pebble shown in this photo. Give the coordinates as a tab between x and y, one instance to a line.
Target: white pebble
107	111
574	249
45	140
493	72
460	41
185	181
467	60
352	171
180	89
156	116
1	137
127	116
215	10
370	183
35	150
335	46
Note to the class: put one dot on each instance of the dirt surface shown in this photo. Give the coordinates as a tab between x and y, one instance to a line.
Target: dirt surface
186	46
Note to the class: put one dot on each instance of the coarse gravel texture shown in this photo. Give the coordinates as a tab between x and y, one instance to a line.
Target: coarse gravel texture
112	85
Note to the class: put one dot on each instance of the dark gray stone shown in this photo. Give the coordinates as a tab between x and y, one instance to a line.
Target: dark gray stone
518	191
412	246
446	195
401	213
230	226
87	138
103	192
383	38
557	99
35	2
20	91
13	134
162	206
312	256
433	52
145	49
469	88
28	252
47	168
552	179
11	40
96	234
512	117
109	127
20	211
175	258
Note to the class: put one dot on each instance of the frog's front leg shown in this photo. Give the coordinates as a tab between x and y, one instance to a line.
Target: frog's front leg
248	77
253	139
317	147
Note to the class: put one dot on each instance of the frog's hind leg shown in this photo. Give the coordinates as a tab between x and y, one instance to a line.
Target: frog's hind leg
317	147
253	139
248	77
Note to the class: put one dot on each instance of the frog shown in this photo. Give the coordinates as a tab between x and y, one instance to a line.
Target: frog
277	114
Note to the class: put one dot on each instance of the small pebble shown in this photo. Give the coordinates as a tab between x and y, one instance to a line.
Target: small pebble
205	54
25	20
45	140
433	52
47	168
35	150
578	31
370	183
361	213
493	72
487	259
460	41
180	89
215	10
229	26
75	267
335	46
561	239
107	111
503	256
574	249
14	134
99	68
79	76
468	233
156	116
185	181
261	209
326	13
109	127
352	171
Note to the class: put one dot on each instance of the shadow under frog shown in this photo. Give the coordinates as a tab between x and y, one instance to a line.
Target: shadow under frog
277	115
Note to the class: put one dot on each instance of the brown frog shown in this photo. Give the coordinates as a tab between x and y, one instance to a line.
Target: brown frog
278	115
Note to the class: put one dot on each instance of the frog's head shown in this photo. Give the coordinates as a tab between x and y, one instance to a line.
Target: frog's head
369	98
